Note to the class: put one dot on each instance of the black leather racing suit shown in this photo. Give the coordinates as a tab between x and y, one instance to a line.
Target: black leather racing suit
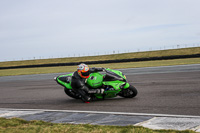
78	84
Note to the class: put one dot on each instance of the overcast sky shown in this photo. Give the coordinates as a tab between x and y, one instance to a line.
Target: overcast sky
62	28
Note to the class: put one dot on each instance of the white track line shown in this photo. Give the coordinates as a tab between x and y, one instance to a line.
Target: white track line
102	112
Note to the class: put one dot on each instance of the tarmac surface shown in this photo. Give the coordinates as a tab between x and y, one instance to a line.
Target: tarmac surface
161	90
169	98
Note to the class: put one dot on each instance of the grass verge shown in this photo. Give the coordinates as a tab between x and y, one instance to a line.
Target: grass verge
16	125
160	53
42	70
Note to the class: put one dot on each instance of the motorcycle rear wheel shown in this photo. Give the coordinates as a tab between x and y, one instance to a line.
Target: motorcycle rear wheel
130	92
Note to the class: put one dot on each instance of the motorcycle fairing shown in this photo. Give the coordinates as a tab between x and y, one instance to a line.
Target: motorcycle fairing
65	80
95	80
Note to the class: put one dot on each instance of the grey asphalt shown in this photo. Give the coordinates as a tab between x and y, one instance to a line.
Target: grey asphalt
162	90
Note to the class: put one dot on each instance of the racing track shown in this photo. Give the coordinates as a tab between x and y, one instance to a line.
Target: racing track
162	90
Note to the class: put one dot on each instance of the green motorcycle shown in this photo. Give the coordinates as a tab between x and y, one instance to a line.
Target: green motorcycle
114	83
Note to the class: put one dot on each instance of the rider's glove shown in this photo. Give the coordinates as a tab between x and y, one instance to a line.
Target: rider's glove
100	91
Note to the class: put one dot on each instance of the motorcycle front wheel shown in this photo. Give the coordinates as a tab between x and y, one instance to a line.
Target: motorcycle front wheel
130	92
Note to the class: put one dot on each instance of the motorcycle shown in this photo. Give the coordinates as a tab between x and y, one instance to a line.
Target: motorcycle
114	83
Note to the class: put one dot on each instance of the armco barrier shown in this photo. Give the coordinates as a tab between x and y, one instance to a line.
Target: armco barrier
106	61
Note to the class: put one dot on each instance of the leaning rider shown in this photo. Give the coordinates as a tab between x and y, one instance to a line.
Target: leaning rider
79	79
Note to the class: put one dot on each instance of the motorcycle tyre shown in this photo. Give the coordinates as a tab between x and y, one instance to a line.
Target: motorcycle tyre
132	89
71	93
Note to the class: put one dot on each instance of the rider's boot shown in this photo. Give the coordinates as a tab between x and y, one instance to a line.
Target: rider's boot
84	95
86	99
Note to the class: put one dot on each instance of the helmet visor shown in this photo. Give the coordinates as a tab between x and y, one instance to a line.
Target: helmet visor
86	73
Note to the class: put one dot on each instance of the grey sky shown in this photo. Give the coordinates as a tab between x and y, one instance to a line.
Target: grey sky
46	28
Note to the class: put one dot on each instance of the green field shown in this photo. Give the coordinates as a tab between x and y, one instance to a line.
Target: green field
61	69
42	70
16	125
160	53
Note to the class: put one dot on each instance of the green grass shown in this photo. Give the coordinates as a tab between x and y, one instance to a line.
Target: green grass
16	125
41	70
183	51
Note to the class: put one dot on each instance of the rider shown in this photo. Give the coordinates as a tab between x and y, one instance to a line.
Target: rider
79	79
